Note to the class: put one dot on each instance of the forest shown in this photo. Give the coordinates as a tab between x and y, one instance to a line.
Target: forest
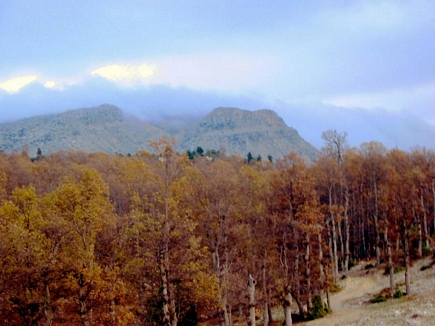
167	238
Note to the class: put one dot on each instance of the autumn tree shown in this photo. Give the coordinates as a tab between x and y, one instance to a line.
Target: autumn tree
84	208
219	209
23	259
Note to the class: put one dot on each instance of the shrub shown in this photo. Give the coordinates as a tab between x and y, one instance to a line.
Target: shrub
351	263
398	294
318	310
379	298
397	269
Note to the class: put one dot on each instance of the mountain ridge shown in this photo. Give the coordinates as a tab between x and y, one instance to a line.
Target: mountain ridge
107	128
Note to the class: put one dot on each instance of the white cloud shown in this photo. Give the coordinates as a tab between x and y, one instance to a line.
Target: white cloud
128	74
13	85
50	84
217	71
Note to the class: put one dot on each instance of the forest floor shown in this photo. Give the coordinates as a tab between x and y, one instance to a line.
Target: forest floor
351	306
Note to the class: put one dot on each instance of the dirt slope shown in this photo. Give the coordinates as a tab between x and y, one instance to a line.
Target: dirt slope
351	306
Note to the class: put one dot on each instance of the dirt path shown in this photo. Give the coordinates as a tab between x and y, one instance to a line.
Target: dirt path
350	306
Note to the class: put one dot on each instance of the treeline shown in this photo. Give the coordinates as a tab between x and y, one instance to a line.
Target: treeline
172	239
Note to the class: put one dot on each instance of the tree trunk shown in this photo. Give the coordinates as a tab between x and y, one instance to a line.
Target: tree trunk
425	228
169	311
172	307
321	270
308	272
376	222
334	251
165	289
287	306
333	245
407	259
296	283
346	233
340	242
267	318
300	304
407	267
84	318
363	218
266	314
269	311
229	314
221	271
420	238
328	300
240	312
251	293
48	312
390	262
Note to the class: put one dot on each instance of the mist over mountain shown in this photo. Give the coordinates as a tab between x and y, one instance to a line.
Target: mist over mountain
108	129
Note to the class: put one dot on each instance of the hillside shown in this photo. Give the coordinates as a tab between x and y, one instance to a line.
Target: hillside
351	305
106	128
238	131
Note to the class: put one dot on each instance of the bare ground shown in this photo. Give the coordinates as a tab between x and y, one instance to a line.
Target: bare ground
352	306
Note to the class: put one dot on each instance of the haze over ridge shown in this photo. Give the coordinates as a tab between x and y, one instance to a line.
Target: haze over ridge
361	67
107	128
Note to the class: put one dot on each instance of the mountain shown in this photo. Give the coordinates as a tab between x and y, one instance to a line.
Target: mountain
105	128
238	131
108	129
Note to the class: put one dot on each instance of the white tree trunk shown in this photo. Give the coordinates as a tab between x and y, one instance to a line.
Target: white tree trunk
251	293
287	307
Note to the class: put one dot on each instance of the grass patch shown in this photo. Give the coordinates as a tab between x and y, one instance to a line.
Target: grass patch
397	269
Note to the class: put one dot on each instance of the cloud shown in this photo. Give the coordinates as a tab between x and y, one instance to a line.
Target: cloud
15	84
151	102
392	99
402	129
129	74
157	90
50	84
235	72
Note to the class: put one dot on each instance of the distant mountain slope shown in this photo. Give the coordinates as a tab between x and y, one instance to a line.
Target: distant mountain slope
238	131
106	128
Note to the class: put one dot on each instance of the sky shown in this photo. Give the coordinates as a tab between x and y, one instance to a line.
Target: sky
366	68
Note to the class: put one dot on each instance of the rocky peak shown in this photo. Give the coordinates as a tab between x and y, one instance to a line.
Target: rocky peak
232	118
238	131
